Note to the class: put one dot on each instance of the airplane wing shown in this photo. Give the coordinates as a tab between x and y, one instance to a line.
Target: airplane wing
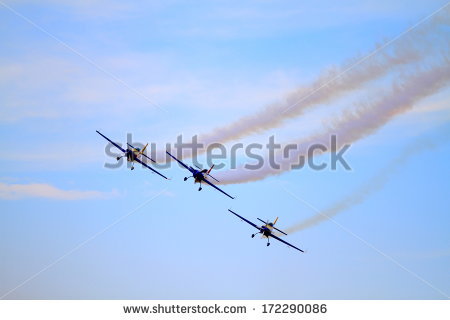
280	231
249	222
148	158
290	245
143	154
115	144
262	221
212	177
214	186
137	160
180	162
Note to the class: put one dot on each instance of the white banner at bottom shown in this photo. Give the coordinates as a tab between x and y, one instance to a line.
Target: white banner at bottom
224	309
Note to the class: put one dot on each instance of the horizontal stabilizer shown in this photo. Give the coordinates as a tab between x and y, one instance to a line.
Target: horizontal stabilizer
280	231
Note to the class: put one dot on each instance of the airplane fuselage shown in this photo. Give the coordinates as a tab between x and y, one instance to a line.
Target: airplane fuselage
131	155
266	232
198	176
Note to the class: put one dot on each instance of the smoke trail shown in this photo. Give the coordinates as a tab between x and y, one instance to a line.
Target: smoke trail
355	125
335	82
371	186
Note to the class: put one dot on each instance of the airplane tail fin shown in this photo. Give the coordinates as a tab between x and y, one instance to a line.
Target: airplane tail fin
143	149
211	175
277	228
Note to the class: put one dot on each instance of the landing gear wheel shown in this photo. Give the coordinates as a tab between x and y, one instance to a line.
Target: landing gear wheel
118	158
185	178
253	235
132	168
268	244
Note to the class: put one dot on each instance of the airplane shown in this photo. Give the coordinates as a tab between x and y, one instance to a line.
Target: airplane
200	176
266	230
132	154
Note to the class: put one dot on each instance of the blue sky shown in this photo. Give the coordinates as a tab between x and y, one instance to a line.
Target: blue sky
206	66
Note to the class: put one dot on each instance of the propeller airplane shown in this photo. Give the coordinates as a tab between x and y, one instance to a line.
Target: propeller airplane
133	154
266	230
200	175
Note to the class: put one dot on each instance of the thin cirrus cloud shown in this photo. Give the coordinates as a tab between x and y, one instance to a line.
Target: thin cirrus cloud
47	191
81	92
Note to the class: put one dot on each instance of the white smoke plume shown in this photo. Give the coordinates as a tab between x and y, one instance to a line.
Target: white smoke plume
373	185
356	124
335	82
424	41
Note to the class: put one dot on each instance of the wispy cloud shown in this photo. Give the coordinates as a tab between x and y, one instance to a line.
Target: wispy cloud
47	191
236	20
104	9
80	92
